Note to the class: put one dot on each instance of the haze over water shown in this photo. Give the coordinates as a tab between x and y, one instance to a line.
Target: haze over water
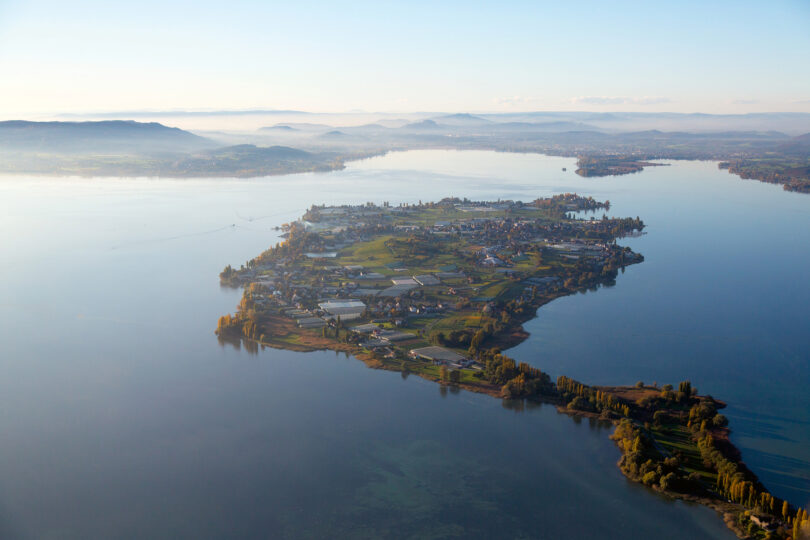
122	413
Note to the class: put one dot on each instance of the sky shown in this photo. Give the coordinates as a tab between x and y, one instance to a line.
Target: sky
704	56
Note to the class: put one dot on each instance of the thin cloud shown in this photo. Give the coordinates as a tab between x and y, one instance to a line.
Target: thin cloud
745	102
620	100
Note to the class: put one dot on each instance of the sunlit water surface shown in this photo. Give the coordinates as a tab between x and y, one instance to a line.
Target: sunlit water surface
121	415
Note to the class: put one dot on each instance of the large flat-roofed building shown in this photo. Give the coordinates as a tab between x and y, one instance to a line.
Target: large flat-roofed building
365	328
311	322
334	307
438	354
346	309
393	335
396	290
426	280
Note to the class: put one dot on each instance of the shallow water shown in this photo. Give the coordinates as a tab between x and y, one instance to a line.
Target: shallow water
123	416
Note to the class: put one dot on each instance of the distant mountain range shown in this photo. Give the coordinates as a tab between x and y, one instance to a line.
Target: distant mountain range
149	114
126	147
129	148
461	119
278	127
791	123
109	136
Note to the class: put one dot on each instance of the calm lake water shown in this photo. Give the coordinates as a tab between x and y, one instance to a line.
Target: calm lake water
121	415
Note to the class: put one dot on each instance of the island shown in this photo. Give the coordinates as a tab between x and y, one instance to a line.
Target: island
588	166
440	290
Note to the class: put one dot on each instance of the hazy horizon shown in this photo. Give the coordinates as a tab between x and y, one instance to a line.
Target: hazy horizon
519	56
249	121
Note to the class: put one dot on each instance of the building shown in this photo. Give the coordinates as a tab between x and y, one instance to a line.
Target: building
393	335
395	290
439	355
491	260
365	328
426	280
311	322
345	309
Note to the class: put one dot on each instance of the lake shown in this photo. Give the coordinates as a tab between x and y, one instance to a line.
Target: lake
121	415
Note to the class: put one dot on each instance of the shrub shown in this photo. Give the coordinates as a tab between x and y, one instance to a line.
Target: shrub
650	478
667	481
579	403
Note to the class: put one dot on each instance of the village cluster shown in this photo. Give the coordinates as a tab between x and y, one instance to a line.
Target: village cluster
419	281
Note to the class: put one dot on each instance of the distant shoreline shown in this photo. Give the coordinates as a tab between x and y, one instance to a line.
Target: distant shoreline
774	170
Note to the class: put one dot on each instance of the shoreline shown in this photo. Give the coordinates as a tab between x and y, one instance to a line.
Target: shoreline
731	513
587	165
727	511
497	263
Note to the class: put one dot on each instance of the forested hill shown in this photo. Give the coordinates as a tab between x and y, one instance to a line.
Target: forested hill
109	136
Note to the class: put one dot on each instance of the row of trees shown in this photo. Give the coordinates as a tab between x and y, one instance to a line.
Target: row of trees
739	485
517	380
246	322
582	397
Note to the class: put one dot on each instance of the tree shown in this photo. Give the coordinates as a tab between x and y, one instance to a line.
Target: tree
667	481
650	478
580	403
477	340
443	373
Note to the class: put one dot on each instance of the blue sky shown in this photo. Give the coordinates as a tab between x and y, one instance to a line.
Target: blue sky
683	56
